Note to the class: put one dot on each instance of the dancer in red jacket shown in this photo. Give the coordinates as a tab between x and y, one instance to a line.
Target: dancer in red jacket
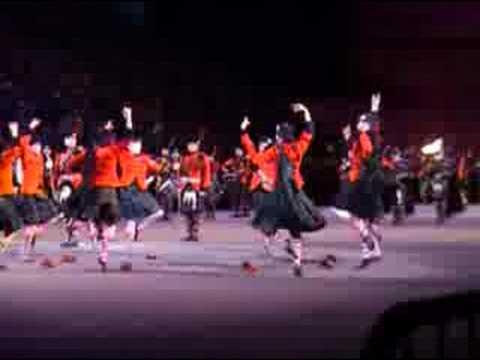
280	202
196	172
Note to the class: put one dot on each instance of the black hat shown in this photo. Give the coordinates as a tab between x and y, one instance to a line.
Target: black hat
191	139
133	135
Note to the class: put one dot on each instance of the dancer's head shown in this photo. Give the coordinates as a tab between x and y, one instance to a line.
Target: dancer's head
134	143
175	154
285	132
164	152
193	145
70	141
363	123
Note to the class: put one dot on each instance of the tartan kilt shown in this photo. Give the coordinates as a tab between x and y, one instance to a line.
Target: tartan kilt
365	198
286	207
101	205
135	204
148	203
35	210
277	210
131	207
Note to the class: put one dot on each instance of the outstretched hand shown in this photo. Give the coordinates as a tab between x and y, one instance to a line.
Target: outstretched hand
34	123
375	102
298	107
14	129
245	123
127	114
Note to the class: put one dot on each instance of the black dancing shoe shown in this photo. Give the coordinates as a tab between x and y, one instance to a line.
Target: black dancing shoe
136	234
103	265
69	244
366	262
327	263
191	238
289	250
126	266
298	271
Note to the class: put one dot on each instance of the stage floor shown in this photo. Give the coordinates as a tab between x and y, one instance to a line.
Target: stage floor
194	300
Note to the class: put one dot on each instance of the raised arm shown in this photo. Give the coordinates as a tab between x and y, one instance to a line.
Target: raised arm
306	136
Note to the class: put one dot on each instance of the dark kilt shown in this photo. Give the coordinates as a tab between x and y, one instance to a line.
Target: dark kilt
35	210
135	204
365	197
101	205
76	204
285	207
10	218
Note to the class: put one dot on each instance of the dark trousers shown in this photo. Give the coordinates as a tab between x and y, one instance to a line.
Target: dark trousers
239	197
211	204
193	224
166	201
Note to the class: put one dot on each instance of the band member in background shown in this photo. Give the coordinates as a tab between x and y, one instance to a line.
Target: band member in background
282	204
165	184
196	172
215	190
237	172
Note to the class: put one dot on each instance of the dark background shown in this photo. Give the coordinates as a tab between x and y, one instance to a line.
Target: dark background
191	66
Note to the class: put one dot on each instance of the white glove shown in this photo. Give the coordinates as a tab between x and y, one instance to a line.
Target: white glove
14	128
298	107
127	114
245	123
347	132
375	102
34	123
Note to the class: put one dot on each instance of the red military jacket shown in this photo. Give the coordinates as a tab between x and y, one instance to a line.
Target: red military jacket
197	167
128	167
7	159
33	169
106	162
267	161
362	149
61	171
145	165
